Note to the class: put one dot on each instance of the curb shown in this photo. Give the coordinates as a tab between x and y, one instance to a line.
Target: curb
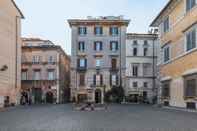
180	109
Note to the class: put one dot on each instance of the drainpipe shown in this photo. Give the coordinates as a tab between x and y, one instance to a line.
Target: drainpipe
16	56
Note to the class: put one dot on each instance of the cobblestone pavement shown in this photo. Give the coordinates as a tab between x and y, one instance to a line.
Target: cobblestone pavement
116	118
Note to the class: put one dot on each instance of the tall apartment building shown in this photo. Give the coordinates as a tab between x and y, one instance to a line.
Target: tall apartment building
141	59
10	52
98	56
45	72
177	24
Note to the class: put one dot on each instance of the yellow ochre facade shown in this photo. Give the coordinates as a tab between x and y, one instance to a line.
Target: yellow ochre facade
177	24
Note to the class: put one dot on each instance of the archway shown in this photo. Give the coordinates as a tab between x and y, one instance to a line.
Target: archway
98	96
49	97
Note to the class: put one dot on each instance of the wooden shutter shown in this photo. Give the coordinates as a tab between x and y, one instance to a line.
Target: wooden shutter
193	39
85	30
101	45
101	79
117	80
116	45
110	45
94	79
78	62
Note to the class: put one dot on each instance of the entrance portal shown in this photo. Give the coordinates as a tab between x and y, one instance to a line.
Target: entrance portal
49	97
98	96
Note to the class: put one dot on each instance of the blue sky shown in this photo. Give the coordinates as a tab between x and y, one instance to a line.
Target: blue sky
47	19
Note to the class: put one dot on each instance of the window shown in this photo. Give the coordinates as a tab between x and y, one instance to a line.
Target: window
114	80
135	84
147	69
145	84
191	40
98	46
82	30
135	51
166	53
190	4
81	46
190	87
135	70
82	63
98	80
98	30
51	59
113	45
36	59
98	62
166	89
113	63
36	75
166	25
24	75
114	31
145	51
82	79
51	74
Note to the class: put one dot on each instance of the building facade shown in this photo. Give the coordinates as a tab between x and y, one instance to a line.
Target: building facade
10	60
98	56
177	24
45	72
141	59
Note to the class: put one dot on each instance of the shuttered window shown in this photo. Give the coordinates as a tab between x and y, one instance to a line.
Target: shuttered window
166	89
190	89
191	40
190	4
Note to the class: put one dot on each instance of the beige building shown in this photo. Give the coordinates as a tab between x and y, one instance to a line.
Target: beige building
45	72
141	59
177	24
98	56
10	52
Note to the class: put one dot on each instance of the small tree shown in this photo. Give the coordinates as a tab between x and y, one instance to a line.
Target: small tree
116	94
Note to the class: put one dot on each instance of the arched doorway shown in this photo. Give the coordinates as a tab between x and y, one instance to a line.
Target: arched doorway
49	97
98	96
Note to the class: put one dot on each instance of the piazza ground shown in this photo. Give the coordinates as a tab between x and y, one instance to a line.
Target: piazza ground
116	118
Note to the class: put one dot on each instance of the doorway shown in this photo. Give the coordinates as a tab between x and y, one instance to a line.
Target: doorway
98	96
49	97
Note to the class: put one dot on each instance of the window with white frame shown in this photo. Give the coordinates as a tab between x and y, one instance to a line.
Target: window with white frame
81	46
98	46
166	25
98	30
190	4
166	53
98	62
24	75
51	74
114	80
135	69
36	75
82	30
191	42
114	30
82	62
114	45
51	60
36	59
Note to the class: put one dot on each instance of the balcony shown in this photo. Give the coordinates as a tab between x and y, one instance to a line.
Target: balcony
114	69
81	69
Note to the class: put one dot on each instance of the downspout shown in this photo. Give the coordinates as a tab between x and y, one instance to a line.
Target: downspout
120	58
154	93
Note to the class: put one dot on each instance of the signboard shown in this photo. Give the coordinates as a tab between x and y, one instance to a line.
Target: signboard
1	101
